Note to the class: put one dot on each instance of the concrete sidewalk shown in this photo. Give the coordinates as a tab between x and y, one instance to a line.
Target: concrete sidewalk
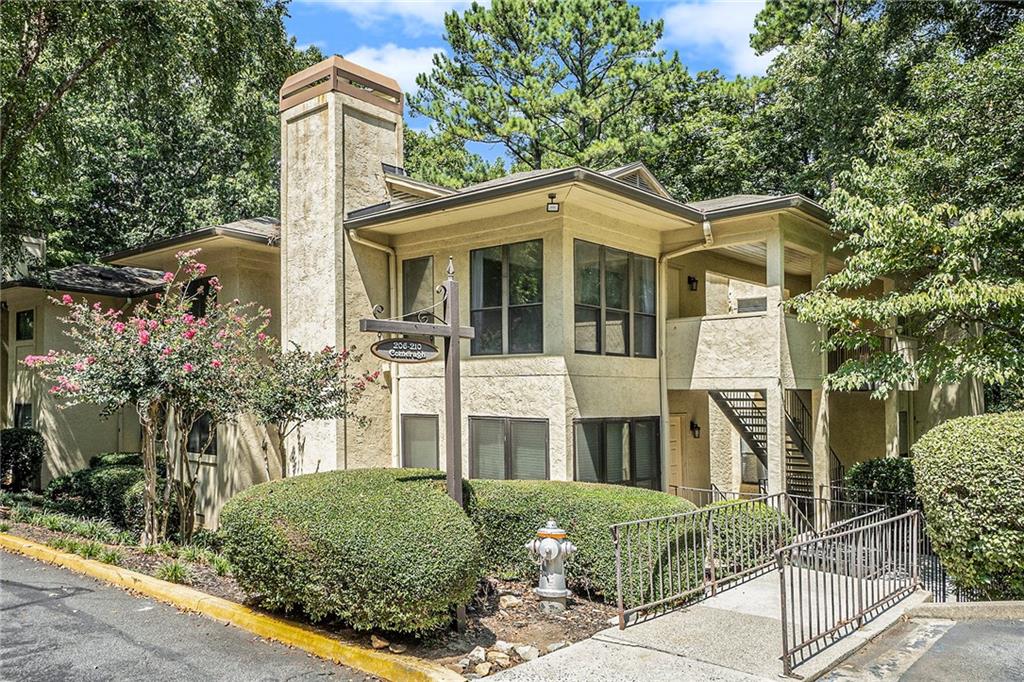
736	635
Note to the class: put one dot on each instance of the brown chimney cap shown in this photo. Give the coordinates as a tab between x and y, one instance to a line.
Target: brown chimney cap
295	83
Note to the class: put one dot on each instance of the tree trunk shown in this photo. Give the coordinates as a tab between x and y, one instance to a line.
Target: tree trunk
150	414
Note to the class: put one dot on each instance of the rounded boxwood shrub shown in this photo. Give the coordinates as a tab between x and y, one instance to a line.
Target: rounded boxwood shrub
970	478
111	458
508	513
746	534
888	474
21	459
378	548
98	492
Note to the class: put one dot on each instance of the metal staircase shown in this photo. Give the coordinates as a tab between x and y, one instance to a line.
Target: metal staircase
746	411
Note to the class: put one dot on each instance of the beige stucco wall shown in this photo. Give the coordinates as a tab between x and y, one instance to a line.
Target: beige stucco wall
73	434
857	426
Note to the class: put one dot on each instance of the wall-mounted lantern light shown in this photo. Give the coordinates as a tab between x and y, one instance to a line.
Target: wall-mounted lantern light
695	429
691	282
552	204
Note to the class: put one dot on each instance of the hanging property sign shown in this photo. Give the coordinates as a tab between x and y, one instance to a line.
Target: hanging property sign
404	350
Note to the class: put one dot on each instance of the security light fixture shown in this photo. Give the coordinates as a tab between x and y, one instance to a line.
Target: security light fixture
691	282
552	204
695	429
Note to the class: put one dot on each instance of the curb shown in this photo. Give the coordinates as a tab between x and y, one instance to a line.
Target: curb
396	667
976	610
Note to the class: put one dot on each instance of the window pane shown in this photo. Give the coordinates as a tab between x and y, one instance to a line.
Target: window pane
616	279
588	273
529	449
643	284
488	332
526	329
419	441
588	451
617	452
645	439
485	273
199	294
616	332
417	285
644	335
525	272
202	439
24	324
587	327
487	447
23	416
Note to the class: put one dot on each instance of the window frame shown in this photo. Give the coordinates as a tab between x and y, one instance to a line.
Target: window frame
507	439
213	448
603	437
31	314
402	442
198	293
632	311
506	307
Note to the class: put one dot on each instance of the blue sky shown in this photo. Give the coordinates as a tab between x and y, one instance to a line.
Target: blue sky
399	37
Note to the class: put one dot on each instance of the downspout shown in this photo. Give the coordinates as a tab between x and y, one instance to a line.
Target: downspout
663	336
392	307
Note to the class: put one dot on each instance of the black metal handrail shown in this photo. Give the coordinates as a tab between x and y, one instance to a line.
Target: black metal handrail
802	421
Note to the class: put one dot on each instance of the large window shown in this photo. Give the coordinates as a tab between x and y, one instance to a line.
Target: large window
615	301
419	441
506	298
623	451
23	418
417	286
508	448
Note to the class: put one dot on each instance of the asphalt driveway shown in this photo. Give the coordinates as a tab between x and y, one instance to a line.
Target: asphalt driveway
58	625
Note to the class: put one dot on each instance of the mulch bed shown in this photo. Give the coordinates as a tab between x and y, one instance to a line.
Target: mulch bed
489	625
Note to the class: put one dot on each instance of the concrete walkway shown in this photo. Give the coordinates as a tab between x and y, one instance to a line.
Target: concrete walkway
736	635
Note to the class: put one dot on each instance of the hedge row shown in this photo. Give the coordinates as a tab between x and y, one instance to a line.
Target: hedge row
970	477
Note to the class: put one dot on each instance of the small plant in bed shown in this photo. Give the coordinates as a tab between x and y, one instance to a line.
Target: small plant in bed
174	572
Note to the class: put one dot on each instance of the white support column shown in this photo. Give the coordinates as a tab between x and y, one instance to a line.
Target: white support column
892	424
775	262
775	412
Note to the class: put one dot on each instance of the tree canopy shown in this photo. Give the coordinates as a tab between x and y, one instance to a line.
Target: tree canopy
125	121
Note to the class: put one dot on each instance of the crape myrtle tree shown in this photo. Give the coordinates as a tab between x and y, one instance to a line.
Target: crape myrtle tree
186	355
296	386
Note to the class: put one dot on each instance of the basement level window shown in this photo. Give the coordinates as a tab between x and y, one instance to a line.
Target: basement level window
419	441
621	451
508	448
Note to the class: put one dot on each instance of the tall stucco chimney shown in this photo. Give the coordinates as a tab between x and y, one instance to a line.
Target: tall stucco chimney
339	122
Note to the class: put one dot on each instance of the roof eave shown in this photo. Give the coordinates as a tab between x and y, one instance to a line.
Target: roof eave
558	177
189	237
96	291
790	201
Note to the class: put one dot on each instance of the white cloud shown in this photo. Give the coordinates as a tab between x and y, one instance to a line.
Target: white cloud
322	44
401	63
416	16
723	26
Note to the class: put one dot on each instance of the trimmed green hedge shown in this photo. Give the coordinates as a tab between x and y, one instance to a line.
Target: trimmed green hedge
970	478
112	458
889	474
21	459
746	535
377	548
507	514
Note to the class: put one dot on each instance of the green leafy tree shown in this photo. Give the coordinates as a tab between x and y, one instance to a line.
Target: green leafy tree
123	121
938	211
443	159
555	83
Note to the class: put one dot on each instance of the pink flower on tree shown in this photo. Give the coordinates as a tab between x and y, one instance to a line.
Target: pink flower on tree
153	324
199	268
189	333
215	363
143	338
261	337
66	299
187	367
118	327
168	277
167	351
188	318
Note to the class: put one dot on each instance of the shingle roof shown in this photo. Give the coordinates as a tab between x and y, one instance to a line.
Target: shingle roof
262	229
730	201
105	280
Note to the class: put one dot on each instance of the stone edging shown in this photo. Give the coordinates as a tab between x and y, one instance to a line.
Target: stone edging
975	610
386	665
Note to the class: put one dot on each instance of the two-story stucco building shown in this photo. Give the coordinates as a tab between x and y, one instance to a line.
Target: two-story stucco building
622	335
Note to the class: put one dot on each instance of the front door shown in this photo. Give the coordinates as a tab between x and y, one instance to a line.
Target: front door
675	450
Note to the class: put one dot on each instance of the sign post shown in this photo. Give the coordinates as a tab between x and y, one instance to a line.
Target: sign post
418	351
